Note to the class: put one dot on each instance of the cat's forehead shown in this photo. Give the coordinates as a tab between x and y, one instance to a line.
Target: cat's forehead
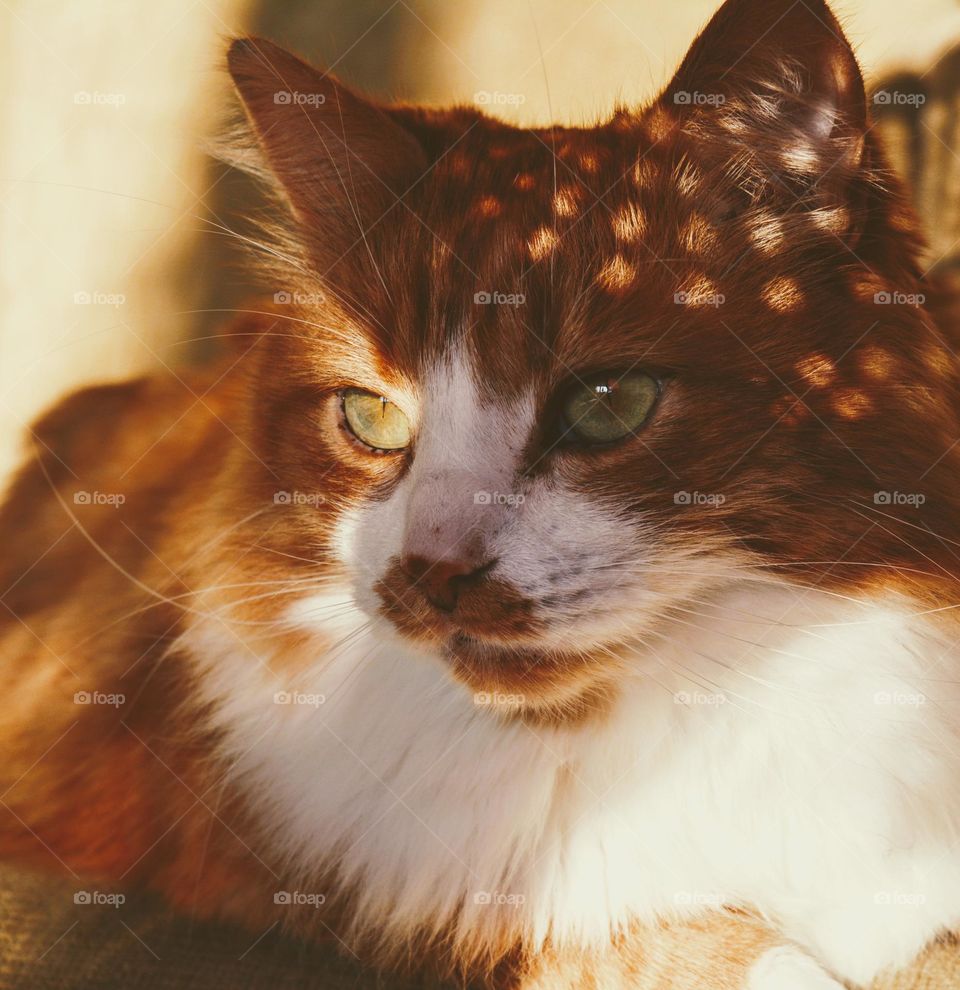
540	187
531	246
543	255
522	166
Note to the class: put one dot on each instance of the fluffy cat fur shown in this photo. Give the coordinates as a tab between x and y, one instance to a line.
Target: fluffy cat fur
693	721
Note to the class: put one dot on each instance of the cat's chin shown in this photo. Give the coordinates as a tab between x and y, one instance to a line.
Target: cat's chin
531	683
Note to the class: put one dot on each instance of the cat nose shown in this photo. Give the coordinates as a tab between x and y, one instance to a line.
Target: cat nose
442	581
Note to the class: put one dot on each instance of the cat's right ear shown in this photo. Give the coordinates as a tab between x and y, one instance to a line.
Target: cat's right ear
342	163
772	89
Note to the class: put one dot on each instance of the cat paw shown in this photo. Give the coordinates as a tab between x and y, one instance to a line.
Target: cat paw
788	968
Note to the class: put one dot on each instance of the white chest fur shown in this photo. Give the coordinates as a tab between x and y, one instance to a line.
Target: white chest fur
791	751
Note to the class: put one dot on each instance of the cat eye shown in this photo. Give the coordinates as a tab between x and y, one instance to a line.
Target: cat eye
375	421
609	407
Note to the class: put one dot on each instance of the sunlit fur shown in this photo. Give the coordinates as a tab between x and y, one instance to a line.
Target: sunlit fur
702	690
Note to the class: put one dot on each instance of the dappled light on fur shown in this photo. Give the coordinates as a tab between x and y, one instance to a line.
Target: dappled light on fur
700	291
877	364
699	235
852	403
566	202
645	173
525	181
541	243
629	224
671	503
767	232
617	274
589	161
818	370
487	208
783	295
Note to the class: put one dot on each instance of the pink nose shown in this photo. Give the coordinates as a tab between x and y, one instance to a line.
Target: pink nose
441	581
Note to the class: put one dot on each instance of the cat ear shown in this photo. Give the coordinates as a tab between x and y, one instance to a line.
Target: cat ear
776	85
342	162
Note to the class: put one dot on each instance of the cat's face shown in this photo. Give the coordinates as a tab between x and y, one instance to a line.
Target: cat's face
558	382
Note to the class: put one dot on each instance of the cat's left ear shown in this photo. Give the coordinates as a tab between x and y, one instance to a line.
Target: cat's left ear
773	87
341	161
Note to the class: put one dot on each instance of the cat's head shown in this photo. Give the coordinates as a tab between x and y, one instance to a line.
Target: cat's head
554	383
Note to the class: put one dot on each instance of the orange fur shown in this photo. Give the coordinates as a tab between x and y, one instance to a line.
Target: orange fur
96	595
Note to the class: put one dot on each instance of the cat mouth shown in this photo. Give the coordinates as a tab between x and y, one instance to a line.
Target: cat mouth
491	616
527	680
494	643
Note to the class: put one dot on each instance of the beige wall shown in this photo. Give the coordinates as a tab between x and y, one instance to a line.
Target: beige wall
597	51
105	104
102	106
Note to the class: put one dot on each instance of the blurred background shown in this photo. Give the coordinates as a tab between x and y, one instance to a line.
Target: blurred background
112	256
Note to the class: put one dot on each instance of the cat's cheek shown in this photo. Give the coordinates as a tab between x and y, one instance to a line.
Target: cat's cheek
365	538
560	540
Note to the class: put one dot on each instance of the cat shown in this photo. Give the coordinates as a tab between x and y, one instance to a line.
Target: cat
556	584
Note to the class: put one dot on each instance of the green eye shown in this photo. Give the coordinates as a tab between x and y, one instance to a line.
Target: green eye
607	408
375	421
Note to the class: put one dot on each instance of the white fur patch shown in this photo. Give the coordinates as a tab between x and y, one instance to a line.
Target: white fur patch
768	745
781	748
590	570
